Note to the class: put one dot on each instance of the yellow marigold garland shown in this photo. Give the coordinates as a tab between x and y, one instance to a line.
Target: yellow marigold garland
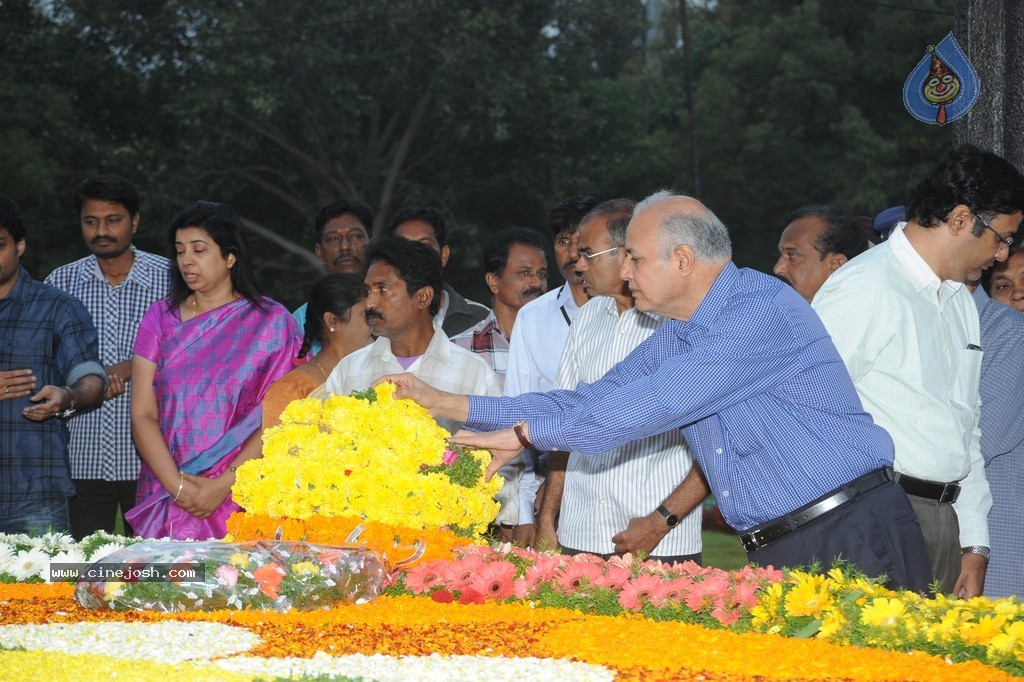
393	542
351	457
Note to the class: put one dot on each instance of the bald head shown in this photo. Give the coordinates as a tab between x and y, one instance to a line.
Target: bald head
685	220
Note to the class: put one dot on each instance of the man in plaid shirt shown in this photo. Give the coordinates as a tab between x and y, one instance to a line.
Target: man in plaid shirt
516	271
117	284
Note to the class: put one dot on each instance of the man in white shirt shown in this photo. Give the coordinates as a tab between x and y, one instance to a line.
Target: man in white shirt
908	331
404	285
540	332
404	291
644	496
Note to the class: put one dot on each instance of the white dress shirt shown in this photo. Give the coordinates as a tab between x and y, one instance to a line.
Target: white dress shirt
444	365
912	344
538	336
602	493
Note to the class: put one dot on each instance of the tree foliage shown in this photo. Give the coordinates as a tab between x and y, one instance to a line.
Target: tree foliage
490	111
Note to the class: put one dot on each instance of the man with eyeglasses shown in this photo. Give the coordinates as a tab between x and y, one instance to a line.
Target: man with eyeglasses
909	334
746	371
342	231
643	496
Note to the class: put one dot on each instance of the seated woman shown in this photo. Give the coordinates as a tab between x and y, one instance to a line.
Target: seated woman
204	358
1004	281
334	316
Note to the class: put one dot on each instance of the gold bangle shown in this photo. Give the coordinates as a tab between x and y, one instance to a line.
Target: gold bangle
181	484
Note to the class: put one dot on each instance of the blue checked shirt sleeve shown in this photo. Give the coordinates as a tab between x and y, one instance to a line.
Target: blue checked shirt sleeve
727	368
77	344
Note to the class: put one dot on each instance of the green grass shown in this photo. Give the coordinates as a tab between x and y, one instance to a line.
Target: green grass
723	550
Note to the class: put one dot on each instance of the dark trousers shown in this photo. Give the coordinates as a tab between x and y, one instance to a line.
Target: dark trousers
877	532
94	507
43	516
695	558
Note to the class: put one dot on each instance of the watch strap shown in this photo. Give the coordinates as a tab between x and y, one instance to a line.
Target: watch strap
670	519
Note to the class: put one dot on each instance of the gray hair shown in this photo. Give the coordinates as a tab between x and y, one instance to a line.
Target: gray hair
703	232
619	212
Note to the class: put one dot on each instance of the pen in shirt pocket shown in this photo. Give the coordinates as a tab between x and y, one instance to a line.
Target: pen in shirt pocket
973	346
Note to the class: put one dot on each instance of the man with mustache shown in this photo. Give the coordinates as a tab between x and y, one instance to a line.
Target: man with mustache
909	334
117	284
816	242
516	272
643	496
342	231
404	293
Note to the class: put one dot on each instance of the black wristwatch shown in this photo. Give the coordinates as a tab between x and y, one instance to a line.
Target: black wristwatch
671	520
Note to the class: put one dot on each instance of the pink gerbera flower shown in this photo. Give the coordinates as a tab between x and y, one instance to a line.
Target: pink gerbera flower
614	576
544	568
745	594
494	580
457	574
577	575
644	588
423	578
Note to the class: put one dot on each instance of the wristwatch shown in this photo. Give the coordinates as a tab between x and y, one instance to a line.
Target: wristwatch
72	405
671	520
980	550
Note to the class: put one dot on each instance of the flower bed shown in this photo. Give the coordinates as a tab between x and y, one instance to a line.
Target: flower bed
493	637
633	619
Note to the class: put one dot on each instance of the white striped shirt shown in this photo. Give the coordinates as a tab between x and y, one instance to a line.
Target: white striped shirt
602	493
101	440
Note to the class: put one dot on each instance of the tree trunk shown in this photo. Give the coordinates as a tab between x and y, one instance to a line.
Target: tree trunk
992	34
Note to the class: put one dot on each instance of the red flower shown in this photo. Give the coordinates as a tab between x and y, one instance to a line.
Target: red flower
443	596
471	596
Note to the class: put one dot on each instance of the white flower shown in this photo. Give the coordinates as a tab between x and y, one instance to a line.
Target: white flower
72	555
31	563
166	642
57	542
104	551
6	555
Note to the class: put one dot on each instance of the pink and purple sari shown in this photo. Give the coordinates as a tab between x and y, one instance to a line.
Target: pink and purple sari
212	372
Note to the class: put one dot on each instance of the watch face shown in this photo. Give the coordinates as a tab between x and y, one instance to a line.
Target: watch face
672	520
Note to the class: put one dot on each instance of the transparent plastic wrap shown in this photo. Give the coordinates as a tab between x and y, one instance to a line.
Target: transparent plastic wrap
213	575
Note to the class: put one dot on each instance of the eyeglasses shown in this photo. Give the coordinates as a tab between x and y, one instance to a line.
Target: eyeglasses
592	256
1004	241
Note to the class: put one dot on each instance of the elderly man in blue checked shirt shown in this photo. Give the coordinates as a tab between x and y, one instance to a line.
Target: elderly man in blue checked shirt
746	370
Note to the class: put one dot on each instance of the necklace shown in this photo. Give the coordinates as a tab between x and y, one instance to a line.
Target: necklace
317	361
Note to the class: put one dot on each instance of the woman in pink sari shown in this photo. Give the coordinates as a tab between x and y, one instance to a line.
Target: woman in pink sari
204	357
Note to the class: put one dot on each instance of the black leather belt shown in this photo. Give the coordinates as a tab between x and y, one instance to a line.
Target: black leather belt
943	492
773	530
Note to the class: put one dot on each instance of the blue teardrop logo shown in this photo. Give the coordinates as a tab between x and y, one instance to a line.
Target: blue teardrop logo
943	86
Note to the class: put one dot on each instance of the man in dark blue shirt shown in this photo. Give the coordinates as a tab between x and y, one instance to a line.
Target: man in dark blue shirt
48	340
748	372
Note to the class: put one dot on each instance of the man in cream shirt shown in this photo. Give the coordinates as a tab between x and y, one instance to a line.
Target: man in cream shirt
908	331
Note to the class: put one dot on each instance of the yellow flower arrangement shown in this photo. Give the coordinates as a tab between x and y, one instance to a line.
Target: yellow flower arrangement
381	459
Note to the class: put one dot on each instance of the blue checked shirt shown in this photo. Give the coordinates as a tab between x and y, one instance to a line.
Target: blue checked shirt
755	384
101	440
1002	442
49	332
